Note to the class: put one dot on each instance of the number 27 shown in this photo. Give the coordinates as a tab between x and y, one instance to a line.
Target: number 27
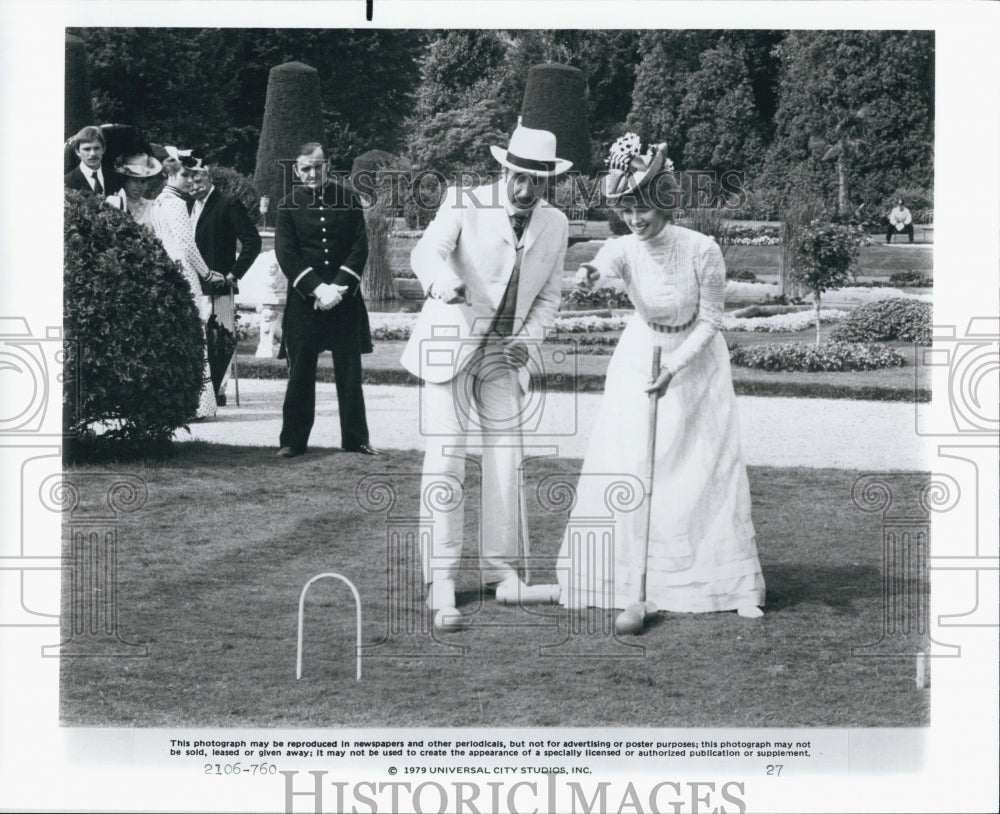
775	769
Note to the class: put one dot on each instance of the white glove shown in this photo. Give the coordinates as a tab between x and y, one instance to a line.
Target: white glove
328	295
587	275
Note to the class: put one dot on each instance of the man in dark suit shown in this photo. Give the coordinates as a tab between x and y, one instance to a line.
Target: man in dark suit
219	223
89	177
321	248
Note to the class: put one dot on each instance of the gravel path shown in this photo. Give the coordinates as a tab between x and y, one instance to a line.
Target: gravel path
835	433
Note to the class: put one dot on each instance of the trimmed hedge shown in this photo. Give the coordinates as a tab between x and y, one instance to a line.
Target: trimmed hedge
912	278
829	356
899	318
134	342
555	99
292	116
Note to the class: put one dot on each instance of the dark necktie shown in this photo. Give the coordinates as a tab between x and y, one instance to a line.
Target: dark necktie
503	323
97	184
520	221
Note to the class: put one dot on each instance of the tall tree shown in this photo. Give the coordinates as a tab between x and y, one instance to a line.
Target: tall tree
722	130
667	60
826	78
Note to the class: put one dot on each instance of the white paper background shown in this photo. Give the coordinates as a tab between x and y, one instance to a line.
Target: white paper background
952	766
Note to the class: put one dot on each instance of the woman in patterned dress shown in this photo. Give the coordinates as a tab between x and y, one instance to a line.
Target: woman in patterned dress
172	225
702	548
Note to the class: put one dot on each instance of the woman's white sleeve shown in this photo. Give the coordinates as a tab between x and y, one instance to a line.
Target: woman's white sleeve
710	270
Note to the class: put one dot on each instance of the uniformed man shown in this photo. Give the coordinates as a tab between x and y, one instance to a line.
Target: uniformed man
321	248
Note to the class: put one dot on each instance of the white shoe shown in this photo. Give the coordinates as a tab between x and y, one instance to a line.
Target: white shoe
749	612
448	620
441	600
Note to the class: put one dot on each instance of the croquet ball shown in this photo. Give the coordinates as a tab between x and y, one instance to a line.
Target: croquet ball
448	619
628	622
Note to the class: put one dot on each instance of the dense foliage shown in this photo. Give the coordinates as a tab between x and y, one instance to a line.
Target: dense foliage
829	356
900	318
845	115
134	340
78	112
236	185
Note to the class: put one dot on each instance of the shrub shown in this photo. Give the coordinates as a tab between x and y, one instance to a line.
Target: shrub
764	203
903	319
134	341
597	298
743	275
829	356
914	279
422	199
238	186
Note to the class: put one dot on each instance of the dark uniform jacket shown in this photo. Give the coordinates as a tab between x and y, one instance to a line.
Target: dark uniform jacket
75	180
320	238
222	223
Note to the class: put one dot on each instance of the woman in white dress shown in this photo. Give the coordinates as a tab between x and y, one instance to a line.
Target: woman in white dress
702	549
172	225
136	170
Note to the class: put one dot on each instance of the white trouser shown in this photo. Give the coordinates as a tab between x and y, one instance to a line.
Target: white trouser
477	411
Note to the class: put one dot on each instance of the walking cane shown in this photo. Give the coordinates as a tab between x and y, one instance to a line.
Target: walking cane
232	362
633	618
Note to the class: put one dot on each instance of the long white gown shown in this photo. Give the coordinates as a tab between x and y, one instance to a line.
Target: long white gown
702	547
172	225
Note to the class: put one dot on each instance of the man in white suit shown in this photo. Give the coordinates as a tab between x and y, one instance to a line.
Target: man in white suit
491	264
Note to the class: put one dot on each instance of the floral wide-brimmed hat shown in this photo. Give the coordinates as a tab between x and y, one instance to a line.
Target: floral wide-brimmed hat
137	165
632	174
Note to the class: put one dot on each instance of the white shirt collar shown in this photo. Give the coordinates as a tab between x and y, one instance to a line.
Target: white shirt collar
88	173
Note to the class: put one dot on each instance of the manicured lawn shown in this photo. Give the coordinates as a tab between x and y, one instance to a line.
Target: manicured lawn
210	571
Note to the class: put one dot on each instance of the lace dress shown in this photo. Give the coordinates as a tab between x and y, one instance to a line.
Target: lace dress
702	548
172	225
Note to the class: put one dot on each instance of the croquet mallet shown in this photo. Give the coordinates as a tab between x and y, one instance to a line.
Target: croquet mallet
633	618
526	594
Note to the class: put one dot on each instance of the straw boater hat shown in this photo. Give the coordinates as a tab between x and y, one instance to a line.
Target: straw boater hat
633	175
137	165
532	151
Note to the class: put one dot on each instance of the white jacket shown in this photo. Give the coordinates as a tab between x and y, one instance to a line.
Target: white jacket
471	238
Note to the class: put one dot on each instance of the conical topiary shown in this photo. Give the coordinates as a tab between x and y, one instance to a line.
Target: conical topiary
293	115
79	113
555	99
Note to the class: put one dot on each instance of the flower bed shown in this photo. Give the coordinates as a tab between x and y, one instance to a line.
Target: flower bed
781	323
